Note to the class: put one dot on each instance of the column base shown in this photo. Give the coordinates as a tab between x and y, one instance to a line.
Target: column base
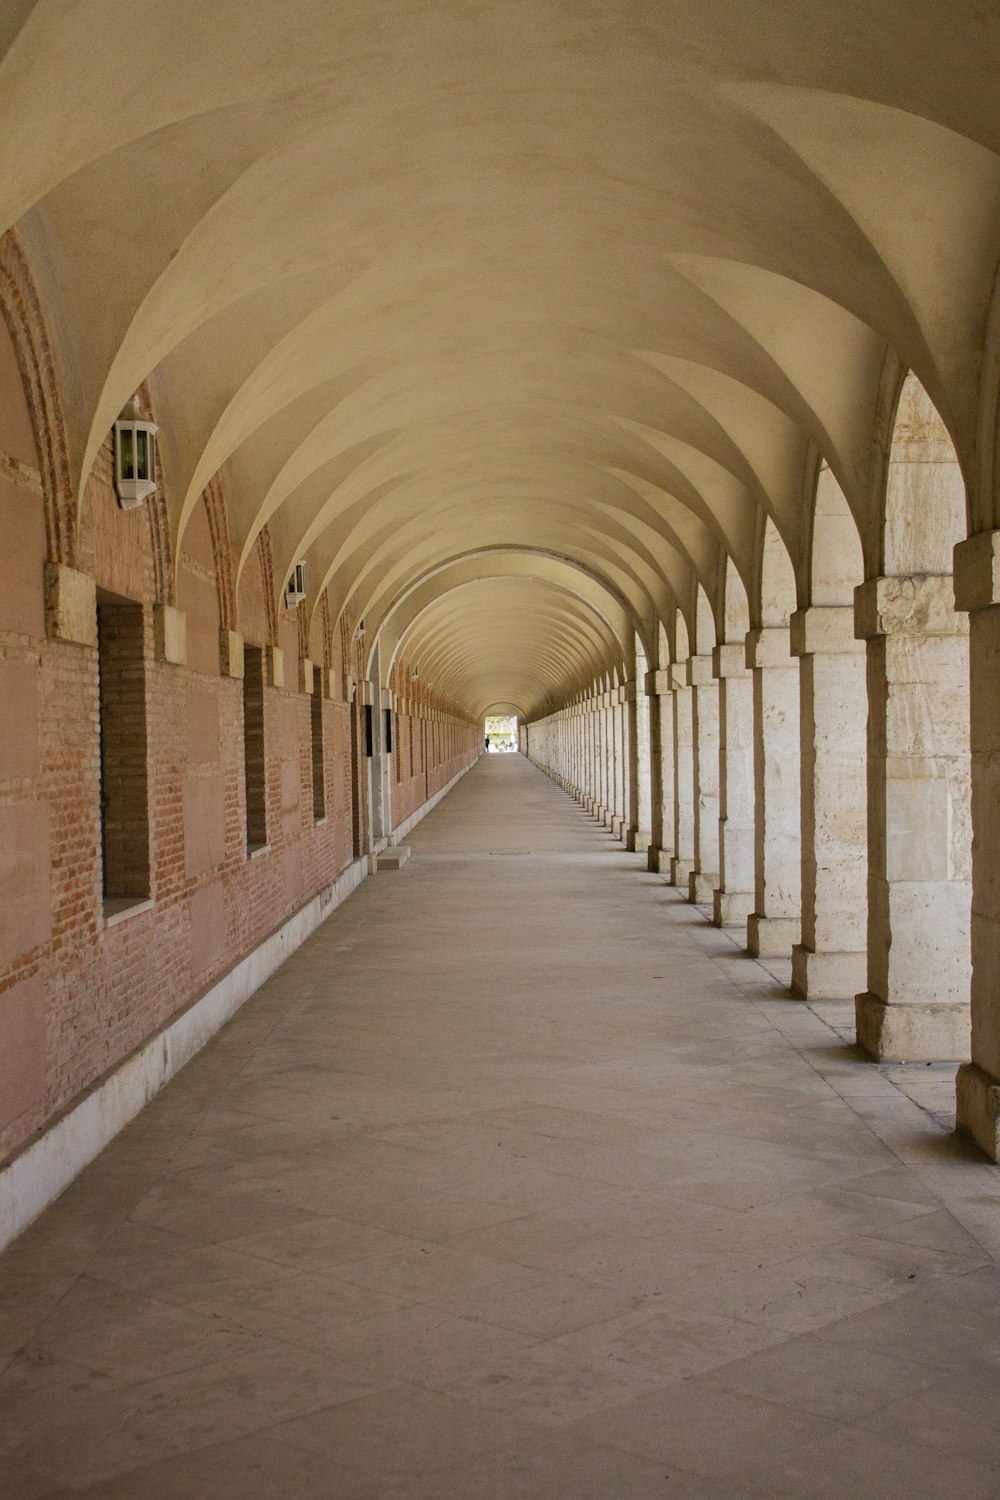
638	840
978	1108
772	937
618	827
912	1032
657	860
680	872
701	887
731	908
827	976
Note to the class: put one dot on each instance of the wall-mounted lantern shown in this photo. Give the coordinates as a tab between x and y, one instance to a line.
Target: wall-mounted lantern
415	673
295	588
135	456
361	628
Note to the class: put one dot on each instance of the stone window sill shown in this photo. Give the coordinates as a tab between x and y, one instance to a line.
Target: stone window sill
119	908
253	850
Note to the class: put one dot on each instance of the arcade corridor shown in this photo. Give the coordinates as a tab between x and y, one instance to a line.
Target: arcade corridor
517	1182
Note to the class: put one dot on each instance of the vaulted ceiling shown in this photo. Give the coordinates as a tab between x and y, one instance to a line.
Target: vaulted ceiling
432	288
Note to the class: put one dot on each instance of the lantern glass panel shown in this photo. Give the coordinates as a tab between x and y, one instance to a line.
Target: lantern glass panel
126	452
142	445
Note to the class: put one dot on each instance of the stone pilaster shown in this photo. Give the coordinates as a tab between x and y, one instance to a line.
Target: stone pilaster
775	925
830	962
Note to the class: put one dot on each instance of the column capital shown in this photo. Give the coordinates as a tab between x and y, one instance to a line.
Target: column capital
824	630
274	661
70	605
768	647
977	572
920	605
231	660
170	634
729	660
627	692
658	684
699	671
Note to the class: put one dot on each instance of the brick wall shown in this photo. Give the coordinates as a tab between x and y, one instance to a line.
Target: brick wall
431	745
78	994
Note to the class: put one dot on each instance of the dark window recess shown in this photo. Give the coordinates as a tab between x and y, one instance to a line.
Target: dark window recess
254	765
369	731
388	731
123	740
318	760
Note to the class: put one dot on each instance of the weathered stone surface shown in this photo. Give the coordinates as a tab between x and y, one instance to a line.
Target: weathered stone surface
170	634
70	605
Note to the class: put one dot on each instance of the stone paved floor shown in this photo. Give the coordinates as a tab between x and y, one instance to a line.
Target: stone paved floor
518	1182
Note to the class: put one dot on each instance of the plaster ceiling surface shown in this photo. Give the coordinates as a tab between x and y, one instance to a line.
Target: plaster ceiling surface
596	282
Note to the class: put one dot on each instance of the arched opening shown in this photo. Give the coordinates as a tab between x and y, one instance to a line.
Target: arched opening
829	962
775	924
500	733
734	897
916	1003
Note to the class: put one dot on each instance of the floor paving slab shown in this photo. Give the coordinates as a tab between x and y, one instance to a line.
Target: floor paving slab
518	1181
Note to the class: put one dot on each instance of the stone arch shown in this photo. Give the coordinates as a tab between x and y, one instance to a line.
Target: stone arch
836	565
256	609
705	629
21	309
218	520
776	575
829	962
733	898
736	606
923	498
774	924
916	1003
197	590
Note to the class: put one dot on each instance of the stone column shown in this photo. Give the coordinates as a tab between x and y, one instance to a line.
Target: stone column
640	765
619	728
607	761
661	753
916	1007
682	859
581	753
830	962
595	755
977	591
775	925
586	782
734	896
705	739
